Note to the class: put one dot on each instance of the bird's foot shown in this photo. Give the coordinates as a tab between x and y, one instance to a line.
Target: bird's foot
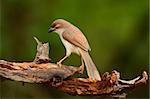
59	64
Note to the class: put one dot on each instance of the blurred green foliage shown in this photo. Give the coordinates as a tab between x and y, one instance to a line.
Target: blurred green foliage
117	31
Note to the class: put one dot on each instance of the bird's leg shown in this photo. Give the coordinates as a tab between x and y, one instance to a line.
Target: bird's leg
59	63
82	66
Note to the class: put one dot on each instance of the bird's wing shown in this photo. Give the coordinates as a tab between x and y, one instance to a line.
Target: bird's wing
76	38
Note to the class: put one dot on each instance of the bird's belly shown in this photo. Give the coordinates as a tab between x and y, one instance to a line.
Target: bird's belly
70	48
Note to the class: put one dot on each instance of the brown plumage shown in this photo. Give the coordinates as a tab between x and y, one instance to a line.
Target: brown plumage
75	42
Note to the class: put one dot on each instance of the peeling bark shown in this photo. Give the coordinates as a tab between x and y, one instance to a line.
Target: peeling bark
42	71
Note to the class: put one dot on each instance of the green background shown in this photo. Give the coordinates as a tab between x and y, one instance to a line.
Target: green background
117	31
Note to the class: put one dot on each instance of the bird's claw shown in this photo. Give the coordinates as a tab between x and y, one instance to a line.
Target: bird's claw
59	64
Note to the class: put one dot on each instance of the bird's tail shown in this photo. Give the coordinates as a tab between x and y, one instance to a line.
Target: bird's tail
90	66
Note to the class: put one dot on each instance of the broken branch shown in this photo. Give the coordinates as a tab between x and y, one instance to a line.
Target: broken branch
42	71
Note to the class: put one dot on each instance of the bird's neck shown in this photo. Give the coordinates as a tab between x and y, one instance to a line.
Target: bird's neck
60	31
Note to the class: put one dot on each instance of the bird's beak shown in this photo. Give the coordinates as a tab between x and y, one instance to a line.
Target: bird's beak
51	30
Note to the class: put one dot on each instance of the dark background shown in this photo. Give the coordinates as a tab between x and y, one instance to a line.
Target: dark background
117	31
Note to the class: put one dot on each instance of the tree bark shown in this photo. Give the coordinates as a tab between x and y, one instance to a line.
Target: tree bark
41	70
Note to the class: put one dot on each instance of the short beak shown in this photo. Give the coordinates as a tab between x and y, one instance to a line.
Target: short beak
51	30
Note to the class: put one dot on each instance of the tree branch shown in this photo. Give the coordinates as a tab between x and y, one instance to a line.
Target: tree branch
42	71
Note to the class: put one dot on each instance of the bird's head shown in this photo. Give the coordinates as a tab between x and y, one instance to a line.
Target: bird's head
58	25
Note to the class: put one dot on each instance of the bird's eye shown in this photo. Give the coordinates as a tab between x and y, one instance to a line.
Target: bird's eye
57	26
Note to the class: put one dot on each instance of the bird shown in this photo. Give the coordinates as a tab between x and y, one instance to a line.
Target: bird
74	41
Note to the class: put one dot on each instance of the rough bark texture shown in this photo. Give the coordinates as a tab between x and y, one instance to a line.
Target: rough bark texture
34	73
42	71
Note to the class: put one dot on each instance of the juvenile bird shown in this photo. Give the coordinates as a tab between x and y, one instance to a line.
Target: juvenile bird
75	42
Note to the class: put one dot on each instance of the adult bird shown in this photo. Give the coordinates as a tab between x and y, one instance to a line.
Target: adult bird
75	42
